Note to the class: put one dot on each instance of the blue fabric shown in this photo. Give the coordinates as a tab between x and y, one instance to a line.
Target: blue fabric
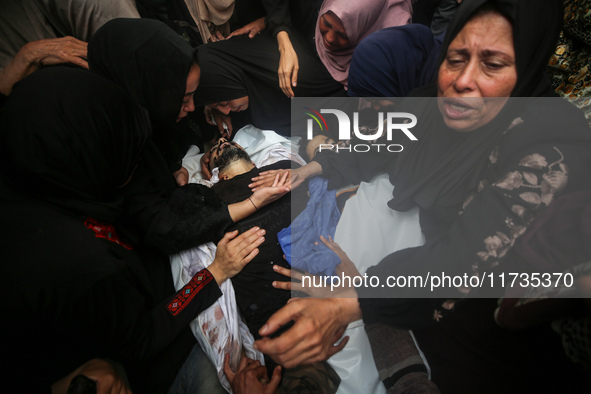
319	218
393	61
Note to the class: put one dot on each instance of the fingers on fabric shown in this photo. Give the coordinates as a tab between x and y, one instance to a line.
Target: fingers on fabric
295	283
244	246
219	36
60	50
275	380
284	181
234	252
332	245
267	178
251	377
285	285
238	32
228	370
252	29
318	325
266	195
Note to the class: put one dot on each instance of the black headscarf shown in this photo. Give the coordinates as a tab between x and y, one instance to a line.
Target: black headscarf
393	61
75	143
148	59
444	164
245	66
536	27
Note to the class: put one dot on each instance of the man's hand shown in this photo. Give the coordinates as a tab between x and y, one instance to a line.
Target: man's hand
102	372
252	29
347	267
297	284
251	377
234	252
319	324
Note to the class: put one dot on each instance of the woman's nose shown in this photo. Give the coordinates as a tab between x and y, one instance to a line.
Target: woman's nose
331	37
190	106
467	78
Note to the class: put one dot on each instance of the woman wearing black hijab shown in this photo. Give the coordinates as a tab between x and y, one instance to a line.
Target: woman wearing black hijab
155	66
246	68
72	287
483	167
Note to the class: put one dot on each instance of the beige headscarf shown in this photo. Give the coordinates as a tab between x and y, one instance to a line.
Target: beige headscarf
211	16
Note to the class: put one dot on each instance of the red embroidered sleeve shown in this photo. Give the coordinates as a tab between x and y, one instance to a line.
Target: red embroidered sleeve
189	291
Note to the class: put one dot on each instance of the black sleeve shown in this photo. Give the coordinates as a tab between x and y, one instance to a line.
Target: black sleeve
525	181
192	216
277	15
166	216
133	331
346	167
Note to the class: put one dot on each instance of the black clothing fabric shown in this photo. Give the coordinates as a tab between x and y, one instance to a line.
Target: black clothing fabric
275	12
243	66
180	20
60	150
72	288
304	16
277	17
146	58
256	297
151	62
171	218
477	191
470	353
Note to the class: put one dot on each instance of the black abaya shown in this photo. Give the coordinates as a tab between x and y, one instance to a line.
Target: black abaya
72	288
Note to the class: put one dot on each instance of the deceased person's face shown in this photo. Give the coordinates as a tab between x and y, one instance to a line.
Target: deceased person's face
225	152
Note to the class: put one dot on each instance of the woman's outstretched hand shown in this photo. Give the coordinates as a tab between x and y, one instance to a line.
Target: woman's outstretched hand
280	186
317	286
252	29
234	252
297	176
267	178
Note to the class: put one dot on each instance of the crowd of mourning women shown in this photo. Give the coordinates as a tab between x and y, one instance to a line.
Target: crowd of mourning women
101	100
